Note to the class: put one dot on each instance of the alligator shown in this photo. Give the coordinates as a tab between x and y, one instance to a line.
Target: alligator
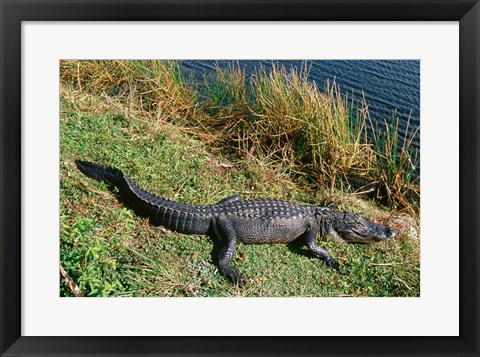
258	220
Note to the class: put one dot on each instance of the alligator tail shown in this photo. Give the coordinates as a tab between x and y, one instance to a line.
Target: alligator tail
110	175
132	194
179	217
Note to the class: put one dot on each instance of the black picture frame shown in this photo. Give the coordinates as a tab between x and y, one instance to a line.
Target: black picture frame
467	12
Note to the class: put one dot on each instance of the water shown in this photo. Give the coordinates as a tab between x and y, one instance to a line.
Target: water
389	85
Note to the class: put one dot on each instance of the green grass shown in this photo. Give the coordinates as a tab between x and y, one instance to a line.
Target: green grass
106	250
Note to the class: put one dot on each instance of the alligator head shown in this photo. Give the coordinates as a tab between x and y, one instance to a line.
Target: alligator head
351	227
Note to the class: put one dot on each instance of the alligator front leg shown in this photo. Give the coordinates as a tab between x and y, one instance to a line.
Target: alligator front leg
226	237
317	249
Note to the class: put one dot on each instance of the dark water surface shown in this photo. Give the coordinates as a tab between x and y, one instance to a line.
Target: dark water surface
388	85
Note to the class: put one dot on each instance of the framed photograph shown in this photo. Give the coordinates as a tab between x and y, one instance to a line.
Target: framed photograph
146	145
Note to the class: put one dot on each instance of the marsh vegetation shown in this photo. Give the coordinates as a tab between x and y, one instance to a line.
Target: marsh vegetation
273	134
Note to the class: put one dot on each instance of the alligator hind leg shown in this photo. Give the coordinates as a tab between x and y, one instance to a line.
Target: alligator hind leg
226	237
319	250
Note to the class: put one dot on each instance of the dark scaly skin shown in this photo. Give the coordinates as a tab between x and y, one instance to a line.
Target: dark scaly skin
260	220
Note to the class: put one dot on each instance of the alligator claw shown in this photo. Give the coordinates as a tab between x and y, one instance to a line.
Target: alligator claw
332	263
241	281
235	276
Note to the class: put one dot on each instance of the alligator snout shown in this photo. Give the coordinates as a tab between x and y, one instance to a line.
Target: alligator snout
383	232
352	227
391	233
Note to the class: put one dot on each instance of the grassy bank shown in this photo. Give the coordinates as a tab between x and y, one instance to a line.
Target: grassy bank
273	135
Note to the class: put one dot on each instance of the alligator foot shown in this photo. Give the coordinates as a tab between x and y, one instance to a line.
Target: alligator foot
327	259
332	263
235	276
